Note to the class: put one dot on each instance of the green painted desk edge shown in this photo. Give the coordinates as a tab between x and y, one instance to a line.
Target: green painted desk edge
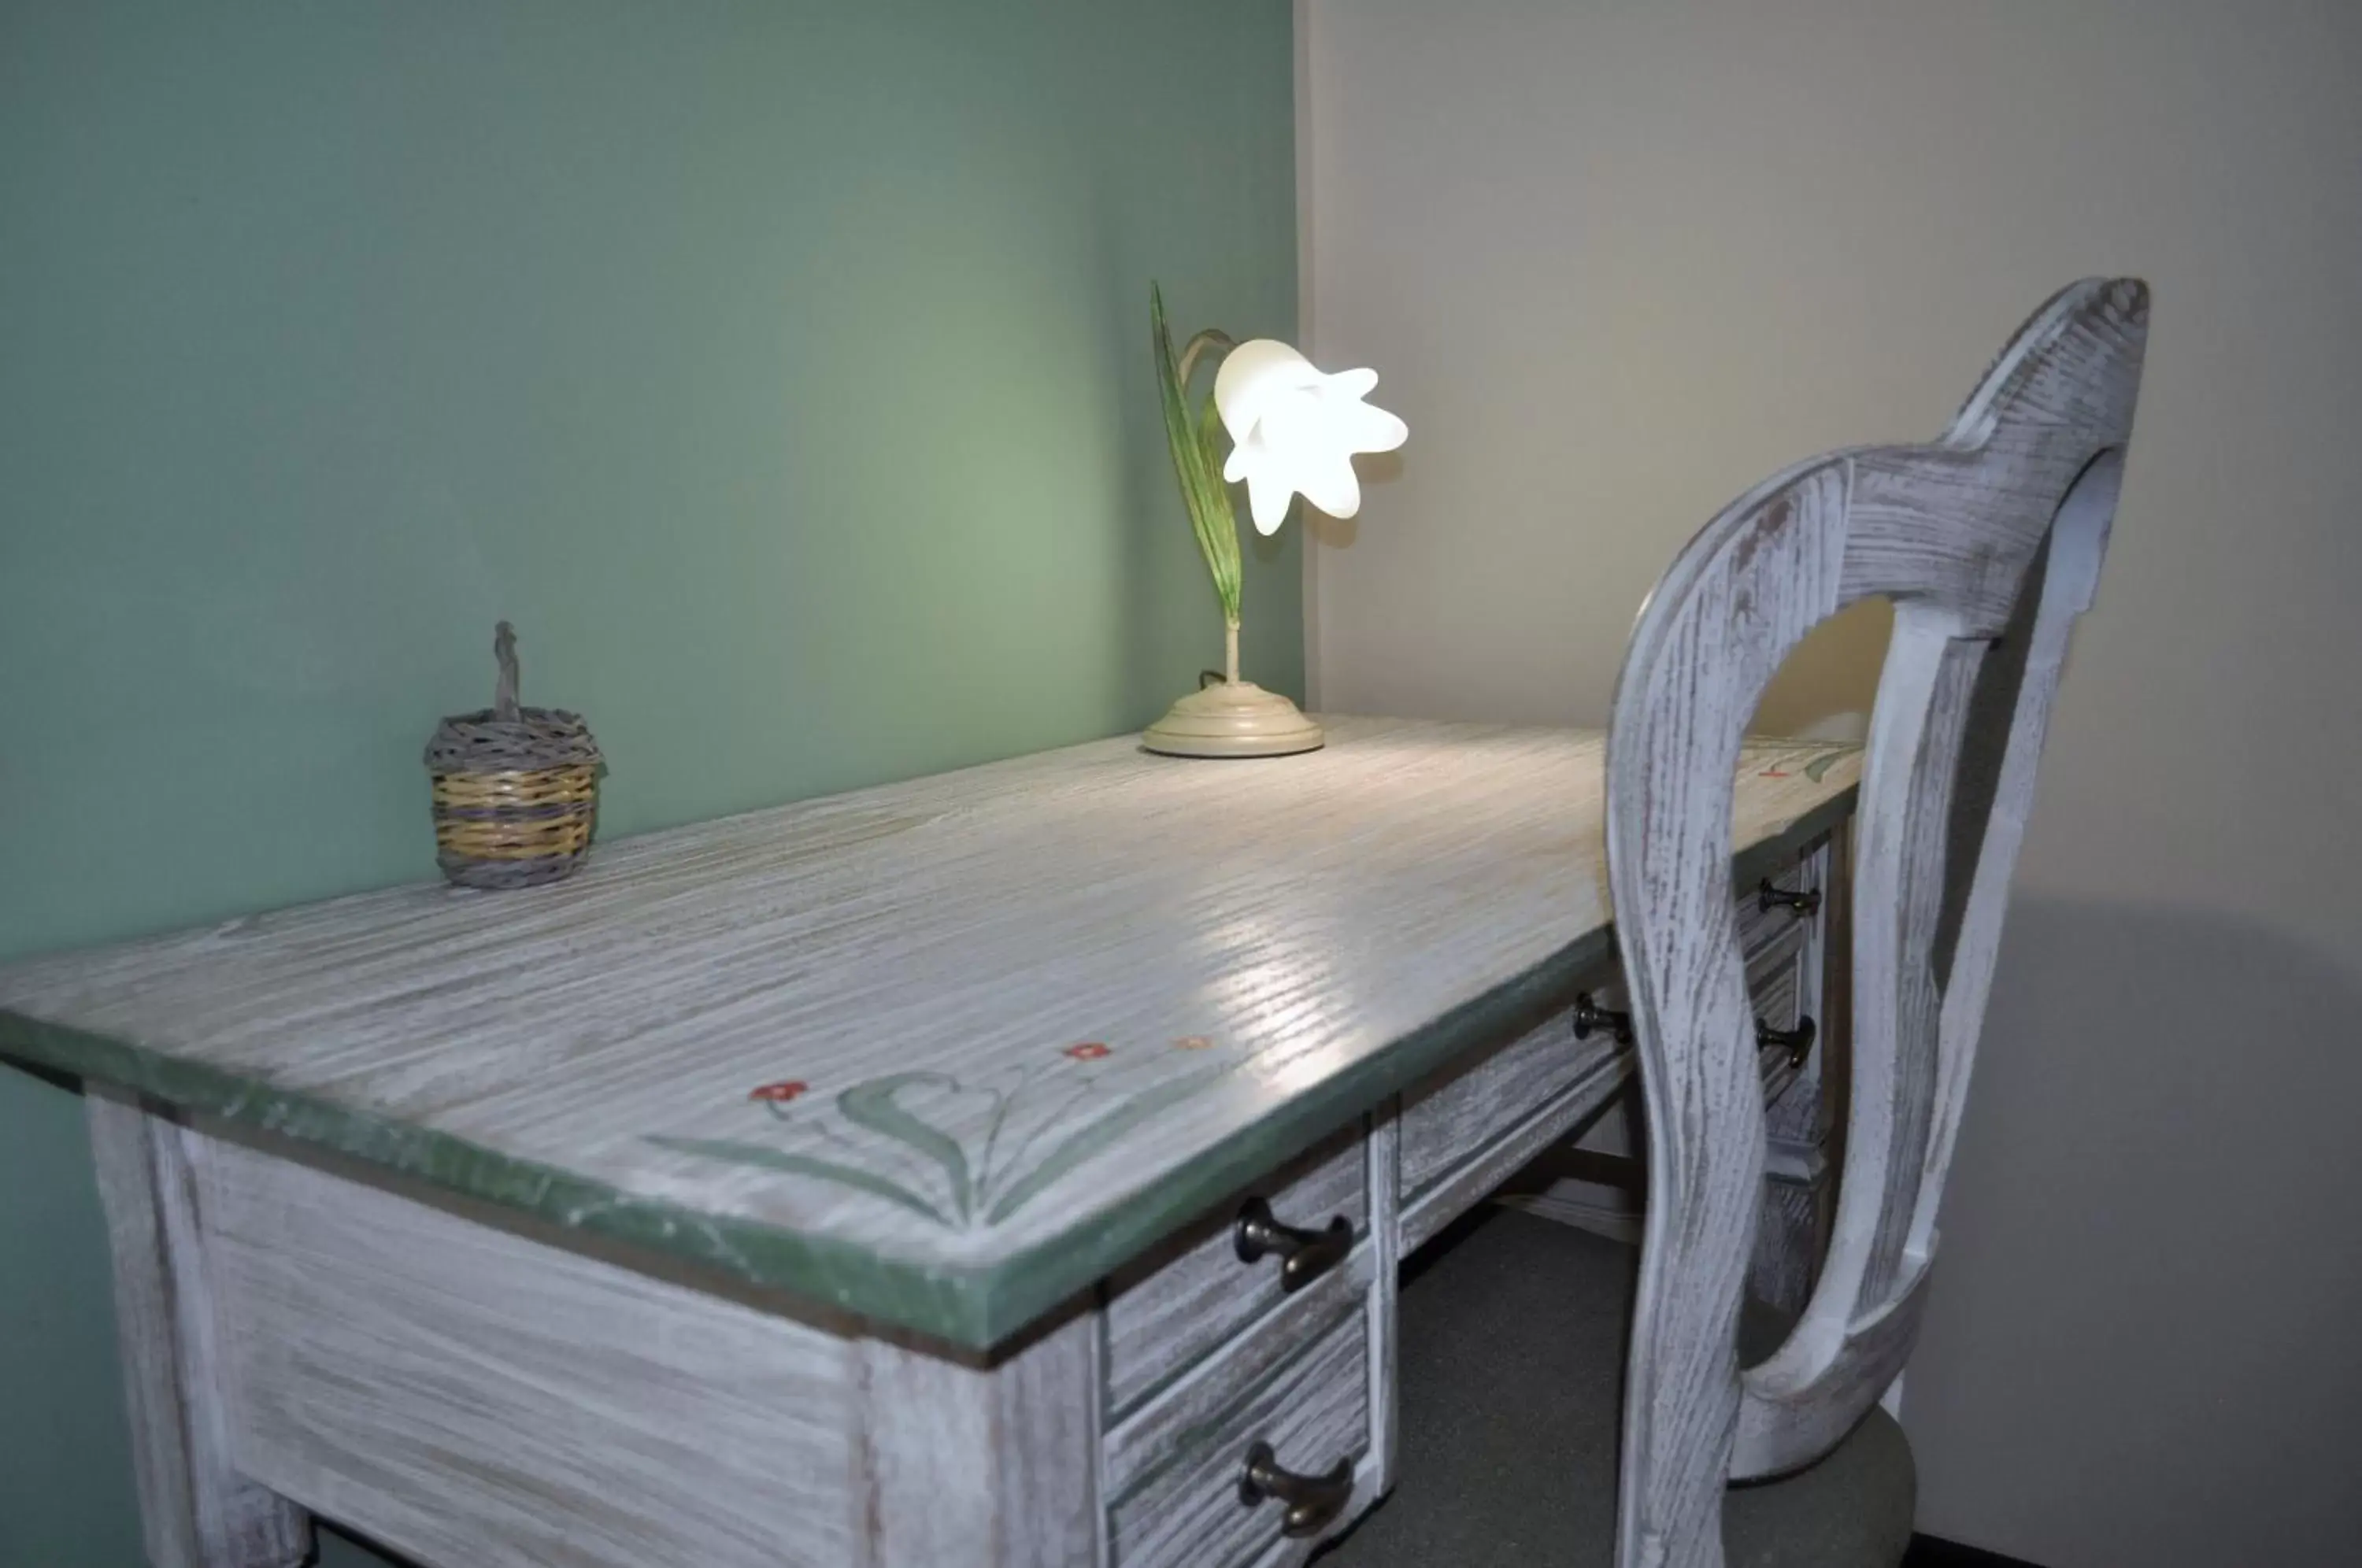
976	1310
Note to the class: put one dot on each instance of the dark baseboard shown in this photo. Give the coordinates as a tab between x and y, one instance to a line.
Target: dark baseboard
1926	1551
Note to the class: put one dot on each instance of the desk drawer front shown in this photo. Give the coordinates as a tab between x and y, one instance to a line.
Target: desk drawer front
1759	927
1194	1294
1465	1109
1470	1127
1774	985
1173	1474
1458	1114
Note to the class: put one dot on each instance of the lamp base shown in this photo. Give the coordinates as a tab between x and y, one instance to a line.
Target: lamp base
1234	719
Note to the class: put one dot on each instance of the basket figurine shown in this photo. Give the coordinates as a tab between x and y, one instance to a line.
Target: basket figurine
516	789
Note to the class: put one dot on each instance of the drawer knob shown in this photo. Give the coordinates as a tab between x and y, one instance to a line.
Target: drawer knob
1589	1015
1313	1501
1305	1255
1805	905
1796	1041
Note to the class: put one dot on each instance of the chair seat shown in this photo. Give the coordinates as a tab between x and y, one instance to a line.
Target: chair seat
1510	1372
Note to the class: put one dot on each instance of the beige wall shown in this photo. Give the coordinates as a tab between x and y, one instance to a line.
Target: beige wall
1617	262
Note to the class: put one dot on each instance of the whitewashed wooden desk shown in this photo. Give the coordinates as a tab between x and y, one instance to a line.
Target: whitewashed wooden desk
857	1183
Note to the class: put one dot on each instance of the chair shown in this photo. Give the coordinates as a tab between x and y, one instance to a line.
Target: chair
1989	543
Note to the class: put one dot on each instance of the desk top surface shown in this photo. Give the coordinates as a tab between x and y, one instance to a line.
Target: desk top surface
941	1053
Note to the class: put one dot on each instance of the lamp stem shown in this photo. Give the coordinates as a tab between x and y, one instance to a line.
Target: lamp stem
1231	652
1212	338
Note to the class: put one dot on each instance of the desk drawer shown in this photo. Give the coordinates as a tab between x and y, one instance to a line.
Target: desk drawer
1775	984
1172	1308
1468	1128
1299	1383
1760	928
1459	1112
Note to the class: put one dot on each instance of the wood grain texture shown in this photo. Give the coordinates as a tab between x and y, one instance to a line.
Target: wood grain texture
1798	1115
1386	1262
1994	532
1779	1436
983	1467
1788	1234
1783	977
1758	927
1464	1156
1182	1507
1777	998
1481	1171
944	1053
469	1397
1141	1445
1166	1308
198	1510
1805	1126
1457	1115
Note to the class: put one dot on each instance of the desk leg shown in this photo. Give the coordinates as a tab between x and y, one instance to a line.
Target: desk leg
991	1467
198	1511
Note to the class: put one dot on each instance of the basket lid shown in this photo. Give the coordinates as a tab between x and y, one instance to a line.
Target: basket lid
507	737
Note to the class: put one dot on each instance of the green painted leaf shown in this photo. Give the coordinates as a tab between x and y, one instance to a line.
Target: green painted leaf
1202	491
872	1105
1222	528
770	1159
1088	1140
1816	769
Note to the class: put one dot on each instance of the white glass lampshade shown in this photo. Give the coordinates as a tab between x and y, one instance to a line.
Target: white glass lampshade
1293	429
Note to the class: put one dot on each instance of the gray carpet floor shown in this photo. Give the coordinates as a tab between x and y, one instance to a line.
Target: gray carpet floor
1510	1368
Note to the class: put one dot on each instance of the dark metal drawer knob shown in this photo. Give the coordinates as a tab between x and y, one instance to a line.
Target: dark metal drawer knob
1306	1255
1805	905
1313	1501
1796	1041
1589	1015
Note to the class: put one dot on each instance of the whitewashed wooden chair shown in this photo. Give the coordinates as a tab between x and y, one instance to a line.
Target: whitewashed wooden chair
1989	543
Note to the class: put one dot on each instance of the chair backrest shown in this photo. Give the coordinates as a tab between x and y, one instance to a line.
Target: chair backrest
1989	543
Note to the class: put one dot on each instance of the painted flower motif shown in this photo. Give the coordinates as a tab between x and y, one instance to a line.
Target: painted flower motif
1295	428
1817	760
779	1093
1193	1043
961	1154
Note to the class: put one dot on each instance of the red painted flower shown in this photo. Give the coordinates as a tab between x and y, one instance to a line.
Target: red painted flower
781	1092
1088	1051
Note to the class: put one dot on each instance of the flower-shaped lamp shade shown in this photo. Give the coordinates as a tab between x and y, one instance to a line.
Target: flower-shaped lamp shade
1295	428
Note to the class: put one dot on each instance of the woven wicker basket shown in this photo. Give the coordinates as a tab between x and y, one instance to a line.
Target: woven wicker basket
516	789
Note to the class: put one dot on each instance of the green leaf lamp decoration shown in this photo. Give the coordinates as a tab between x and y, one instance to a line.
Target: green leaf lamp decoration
1293	430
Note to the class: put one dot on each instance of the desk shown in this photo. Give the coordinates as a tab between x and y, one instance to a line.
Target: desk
859	1182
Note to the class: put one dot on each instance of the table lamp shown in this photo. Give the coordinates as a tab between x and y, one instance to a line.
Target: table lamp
1293	431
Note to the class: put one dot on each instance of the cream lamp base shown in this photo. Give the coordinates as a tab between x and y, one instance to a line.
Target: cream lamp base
1234	718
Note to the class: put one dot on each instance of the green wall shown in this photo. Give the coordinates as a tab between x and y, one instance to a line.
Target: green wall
780	368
